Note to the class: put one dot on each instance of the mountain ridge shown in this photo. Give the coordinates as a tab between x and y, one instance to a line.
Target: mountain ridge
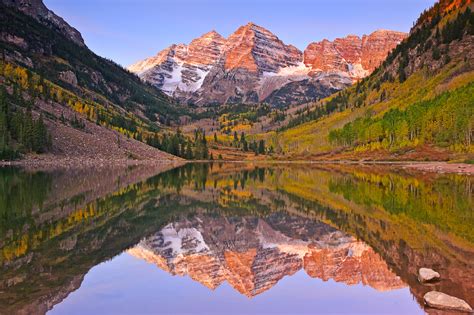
252	64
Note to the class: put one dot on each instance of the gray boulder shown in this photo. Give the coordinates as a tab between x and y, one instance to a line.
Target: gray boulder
443	301
68	77
427	275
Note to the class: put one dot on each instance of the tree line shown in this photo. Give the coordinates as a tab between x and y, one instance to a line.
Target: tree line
19	131
191	148
257	147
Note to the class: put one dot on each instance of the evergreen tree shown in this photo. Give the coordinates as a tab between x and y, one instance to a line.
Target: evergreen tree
261	147
40	136
189	152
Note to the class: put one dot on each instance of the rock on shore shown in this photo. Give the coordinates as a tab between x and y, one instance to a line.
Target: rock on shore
427	275
443	301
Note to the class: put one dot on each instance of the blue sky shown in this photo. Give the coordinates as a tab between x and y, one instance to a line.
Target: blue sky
129	30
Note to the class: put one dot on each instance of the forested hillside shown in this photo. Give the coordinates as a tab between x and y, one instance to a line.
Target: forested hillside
18	125
54	57
420	98
61	98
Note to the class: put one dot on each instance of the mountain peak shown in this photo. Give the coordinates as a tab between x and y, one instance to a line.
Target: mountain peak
251	24
254	27
254	48
212	35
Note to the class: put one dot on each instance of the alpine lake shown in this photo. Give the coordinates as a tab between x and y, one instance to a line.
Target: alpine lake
233	238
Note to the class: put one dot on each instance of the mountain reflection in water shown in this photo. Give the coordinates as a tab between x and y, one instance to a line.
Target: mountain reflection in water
252	254
245	225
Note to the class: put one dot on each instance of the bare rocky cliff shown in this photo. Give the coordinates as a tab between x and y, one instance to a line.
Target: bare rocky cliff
352	55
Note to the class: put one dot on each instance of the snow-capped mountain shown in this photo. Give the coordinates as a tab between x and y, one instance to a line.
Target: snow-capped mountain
182	68
253	65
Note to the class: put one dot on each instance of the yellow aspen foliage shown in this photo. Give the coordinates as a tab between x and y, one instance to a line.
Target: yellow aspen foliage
8	71
21	76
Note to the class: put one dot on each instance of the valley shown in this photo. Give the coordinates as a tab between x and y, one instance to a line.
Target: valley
383	96
173	157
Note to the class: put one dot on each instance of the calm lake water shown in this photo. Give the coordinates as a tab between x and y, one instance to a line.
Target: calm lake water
232	238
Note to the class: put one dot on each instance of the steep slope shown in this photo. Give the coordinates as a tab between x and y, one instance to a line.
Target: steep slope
253	65
419	100
46	67
46	51
37	10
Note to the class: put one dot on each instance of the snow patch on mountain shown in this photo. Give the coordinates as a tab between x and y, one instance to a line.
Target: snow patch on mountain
182	240
357	71
271	81
171	83
300	70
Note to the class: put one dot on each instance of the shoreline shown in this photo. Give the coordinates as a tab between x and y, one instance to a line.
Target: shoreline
425	166
59	163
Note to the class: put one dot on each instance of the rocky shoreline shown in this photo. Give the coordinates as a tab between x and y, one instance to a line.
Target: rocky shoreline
442	167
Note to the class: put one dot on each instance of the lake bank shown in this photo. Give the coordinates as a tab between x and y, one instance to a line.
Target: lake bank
50	162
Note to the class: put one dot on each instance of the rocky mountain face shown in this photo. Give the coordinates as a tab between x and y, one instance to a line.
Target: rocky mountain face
352	55
253	65
37	10
253	254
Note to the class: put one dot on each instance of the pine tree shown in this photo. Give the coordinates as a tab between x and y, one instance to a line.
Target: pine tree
261	147
189	151
40	136
27	132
